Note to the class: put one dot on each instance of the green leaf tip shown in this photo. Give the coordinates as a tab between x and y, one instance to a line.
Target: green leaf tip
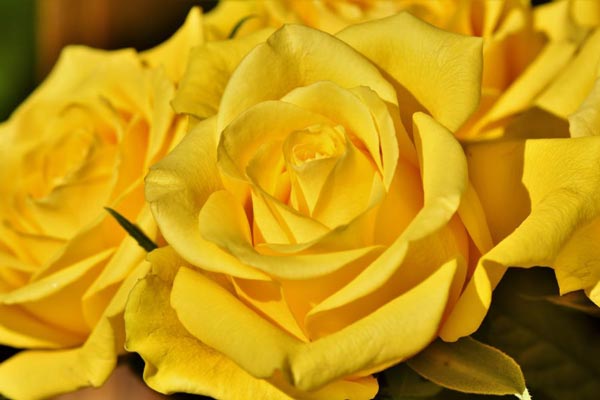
239	24
133	230
470	366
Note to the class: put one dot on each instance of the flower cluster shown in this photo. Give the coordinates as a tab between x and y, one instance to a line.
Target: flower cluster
333	186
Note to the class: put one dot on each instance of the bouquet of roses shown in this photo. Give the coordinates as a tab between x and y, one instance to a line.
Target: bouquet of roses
313	200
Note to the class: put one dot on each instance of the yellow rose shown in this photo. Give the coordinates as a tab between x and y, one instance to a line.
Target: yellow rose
82	141
319	215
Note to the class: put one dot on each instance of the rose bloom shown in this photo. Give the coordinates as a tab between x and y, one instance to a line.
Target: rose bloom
82	141
323	222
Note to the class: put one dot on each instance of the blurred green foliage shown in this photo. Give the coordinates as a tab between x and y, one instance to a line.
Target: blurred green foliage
17	53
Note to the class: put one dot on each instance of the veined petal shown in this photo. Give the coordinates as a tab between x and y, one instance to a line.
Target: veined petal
393	332
443	189
586	120
441	70
261	349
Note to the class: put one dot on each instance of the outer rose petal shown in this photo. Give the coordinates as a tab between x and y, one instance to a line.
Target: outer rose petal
58	371
438	69
172	353
263	350
209	68
550	218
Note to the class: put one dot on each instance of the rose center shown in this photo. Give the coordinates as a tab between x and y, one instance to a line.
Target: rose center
314	143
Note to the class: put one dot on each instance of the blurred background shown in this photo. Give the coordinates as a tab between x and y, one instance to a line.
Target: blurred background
33	32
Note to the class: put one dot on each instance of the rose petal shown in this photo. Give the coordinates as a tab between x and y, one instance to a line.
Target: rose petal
546	221
586	121
569	89
60	371
209	69
285	54
223	222
263	350
441	70
177	188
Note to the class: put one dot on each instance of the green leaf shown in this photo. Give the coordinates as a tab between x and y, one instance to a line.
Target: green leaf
402	383
239	24
471	367
133	230
557	348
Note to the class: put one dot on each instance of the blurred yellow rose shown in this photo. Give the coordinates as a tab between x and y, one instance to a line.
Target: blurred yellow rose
319	214
82	141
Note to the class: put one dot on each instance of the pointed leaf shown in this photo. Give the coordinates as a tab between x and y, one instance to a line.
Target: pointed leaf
557	348
133	230
470	366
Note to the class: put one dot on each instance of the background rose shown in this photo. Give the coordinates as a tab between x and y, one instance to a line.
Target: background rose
82	141
319	242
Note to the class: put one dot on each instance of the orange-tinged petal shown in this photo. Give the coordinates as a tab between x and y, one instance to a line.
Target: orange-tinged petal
443	189
394	332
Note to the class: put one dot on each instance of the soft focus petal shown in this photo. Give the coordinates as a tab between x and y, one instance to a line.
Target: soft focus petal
570	88
60	371
438	69
208	72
